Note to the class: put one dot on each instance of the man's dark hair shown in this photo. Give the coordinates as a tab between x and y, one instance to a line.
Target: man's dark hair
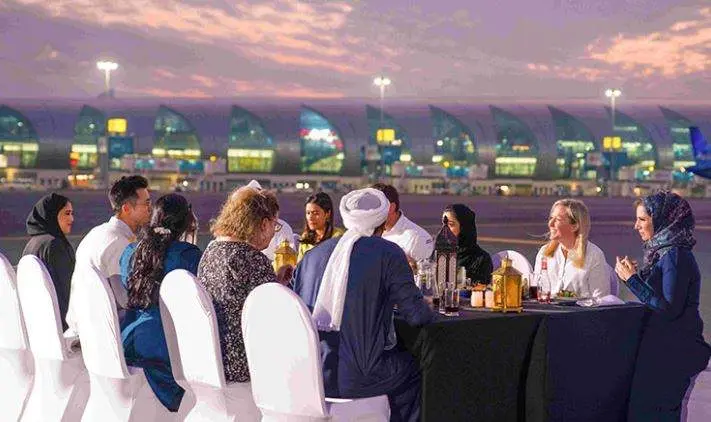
124	190
390	193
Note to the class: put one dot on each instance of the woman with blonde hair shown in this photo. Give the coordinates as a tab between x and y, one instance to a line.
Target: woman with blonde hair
233	265
574	263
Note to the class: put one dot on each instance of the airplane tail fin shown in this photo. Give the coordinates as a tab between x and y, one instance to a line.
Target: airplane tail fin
698	141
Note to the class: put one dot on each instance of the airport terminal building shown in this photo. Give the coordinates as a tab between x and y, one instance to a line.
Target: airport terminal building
216	144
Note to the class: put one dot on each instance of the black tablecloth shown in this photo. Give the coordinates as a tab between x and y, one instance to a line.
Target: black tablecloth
549	363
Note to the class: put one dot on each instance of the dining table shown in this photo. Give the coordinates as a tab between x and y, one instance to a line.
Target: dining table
550	362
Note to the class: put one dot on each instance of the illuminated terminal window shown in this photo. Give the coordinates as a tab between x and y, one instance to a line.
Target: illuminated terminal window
18	140
517	147
681	141
453	143
640	152
176	138
90	125
574	143
322	149
251	149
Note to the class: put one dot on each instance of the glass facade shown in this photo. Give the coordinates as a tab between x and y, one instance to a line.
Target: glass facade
517	147
574	142
18	140
453	143
90	125
322	149
638	148
390	138
681	141
176	138
251	149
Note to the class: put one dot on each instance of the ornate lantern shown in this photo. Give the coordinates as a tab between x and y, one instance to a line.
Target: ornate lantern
446	257
506	283
284	255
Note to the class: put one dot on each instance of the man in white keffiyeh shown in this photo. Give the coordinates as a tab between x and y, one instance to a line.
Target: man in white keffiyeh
351	283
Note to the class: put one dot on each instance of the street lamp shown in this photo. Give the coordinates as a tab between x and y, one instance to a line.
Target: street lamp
107	67
382	82
612	94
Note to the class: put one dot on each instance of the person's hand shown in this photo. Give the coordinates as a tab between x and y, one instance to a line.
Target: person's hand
284	274
625	268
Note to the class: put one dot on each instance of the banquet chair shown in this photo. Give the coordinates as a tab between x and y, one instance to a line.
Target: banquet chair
118	392
287	382
16	365
696	406
61	385
193	343
518	261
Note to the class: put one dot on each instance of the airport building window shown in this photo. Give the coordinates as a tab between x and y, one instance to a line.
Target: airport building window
453	143
574	143
681	142
90	125
250	148
390	139
18	140
639	150
322	149
517	148
175	137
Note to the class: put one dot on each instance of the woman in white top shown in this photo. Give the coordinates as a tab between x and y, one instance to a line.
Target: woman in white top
574	263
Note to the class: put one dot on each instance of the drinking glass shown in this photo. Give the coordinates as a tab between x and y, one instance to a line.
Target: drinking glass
451	301
544	289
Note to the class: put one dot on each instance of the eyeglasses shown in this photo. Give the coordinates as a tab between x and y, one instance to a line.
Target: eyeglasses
277	226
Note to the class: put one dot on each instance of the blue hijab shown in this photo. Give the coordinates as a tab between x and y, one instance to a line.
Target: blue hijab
673	223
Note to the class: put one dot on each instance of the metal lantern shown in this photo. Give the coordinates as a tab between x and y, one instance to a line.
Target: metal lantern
284	255
446	258
506	283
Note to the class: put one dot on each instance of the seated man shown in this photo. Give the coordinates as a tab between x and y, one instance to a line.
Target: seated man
351	283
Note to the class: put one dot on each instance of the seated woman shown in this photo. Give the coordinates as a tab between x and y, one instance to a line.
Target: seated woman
318	223
144	264
574	263
476	261
233	265
48	224
672	349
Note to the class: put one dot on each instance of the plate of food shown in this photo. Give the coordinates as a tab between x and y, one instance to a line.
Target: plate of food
565	297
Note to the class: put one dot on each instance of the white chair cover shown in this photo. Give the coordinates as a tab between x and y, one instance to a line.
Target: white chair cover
60	389
117	393
16	365
287	382
696	406
194	346
518	261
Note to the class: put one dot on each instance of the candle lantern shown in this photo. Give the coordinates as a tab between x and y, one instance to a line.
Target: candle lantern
284	255
446	258
506	284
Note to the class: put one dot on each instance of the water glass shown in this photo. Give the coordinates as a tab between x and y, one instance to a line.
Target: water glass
451	302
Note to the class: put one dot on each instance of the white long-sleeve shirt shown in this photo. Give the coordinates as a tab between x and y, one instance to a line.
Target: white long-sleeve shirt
413	239
593	280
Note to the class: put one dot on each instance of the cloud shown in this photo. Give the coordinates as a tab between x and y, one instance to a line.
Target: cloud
292	32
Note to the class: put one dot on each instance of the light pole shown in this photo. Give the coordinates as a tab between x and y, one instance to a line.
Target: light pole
382	82
612	94
107	67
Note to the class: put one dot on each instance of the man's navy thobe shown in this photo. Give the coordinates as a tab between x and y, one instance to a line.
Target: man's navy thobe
355	362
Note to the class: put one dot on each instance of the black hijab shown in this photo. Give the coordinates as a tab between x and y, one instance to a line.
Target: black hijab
43	217
469	254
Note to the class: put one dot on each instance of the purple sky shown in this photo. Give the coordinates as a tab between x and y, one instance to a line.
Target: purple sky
325	48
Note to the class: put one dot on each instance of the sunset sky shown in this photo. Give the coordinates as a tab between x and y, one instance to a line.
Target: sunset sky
329	49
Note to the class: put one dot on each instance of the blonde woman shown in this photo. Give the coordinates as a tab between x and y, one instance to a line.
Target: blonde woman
574	263
233	265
